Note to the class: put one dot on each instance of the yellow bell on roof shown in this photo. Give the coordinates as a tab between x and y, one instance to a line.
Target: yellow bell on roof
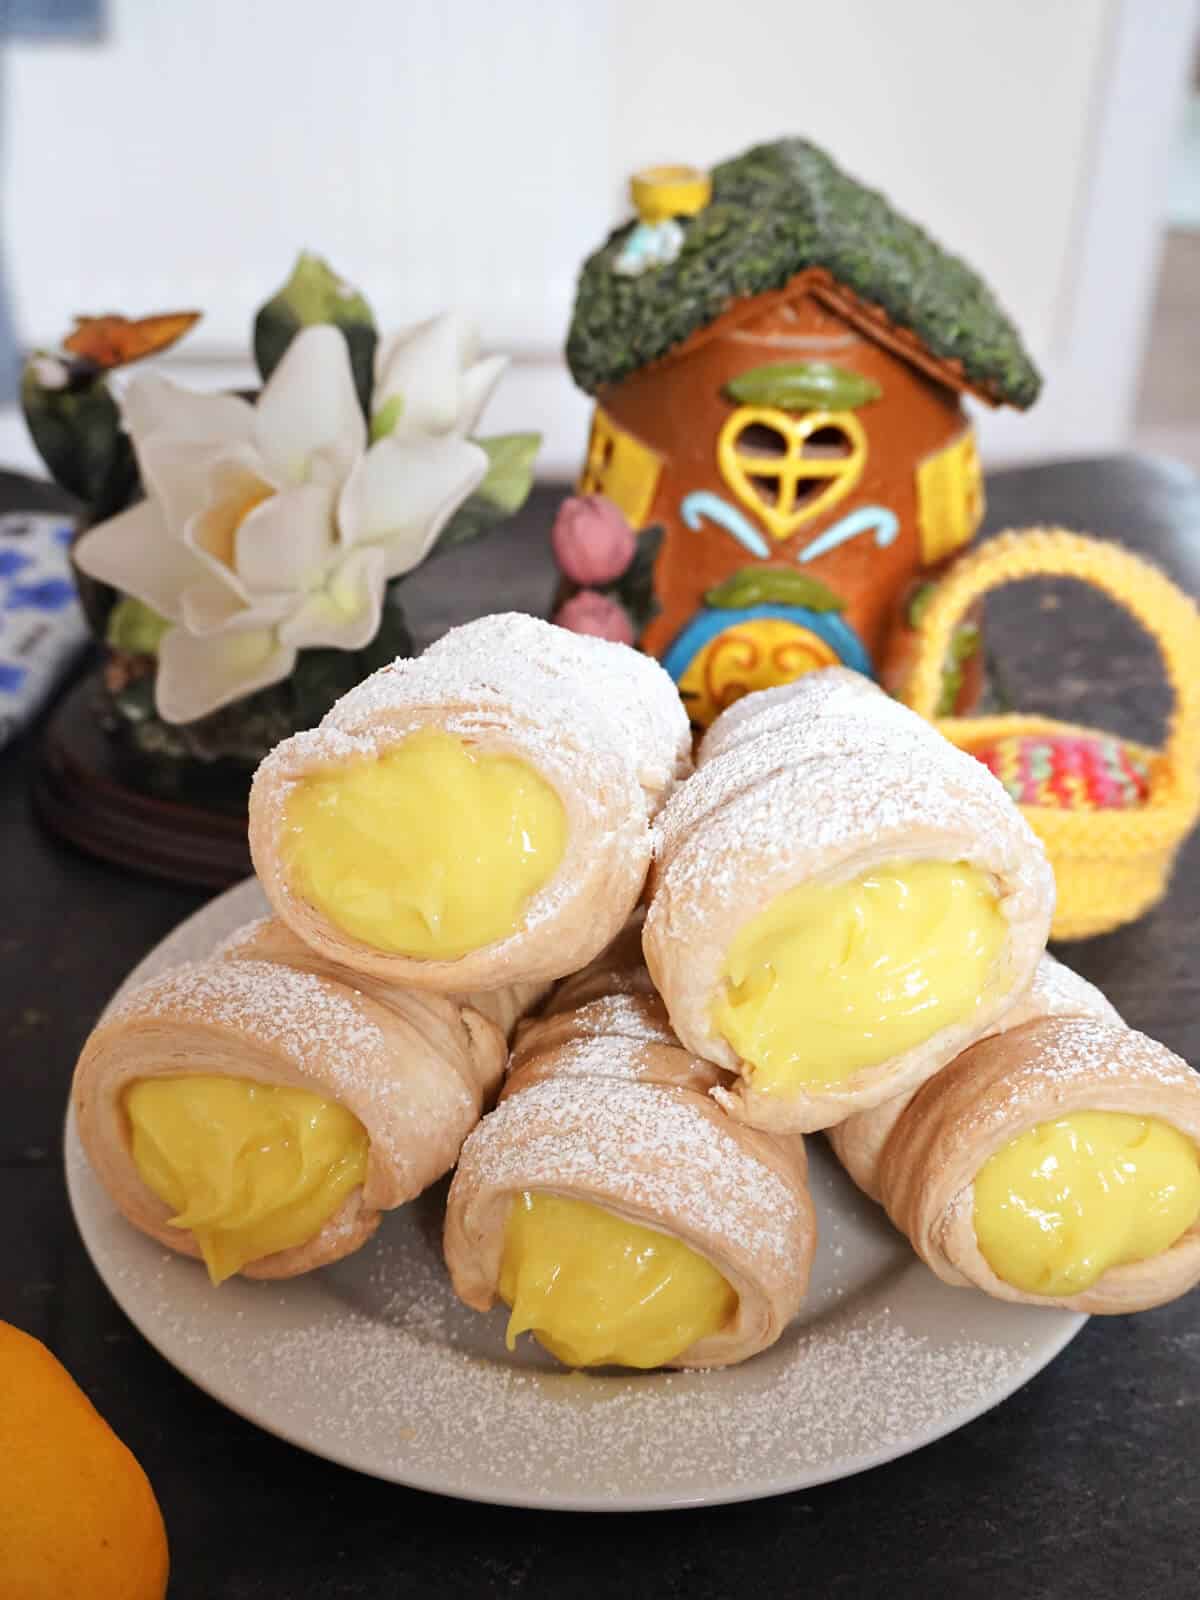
662	192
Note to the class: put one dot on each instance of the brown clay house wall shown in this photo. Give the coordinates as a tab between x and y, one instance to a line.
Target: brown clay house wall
677	408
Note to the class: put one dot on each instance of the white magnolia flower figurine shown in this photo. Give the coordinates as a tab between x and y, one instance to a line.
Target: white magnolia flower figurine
273	527
430	379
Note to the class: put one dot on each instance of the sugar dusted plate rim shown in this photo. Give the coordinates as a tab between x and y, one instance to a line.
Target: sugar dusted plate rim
373	1364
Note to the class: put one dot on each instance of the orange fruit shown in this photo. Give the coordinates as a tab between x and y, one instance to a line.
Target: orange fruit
78	1518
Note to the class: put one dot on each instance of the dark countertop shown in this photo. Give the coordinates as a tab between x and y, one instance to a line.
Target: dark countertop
1085	1483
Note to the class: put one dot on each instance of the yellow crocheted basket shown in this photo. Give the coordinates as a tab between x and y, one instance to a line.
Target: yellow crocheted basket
1111	814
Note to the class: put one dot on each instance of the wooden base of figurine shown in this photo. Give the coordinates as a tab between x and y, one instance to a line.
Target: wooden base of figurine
90	791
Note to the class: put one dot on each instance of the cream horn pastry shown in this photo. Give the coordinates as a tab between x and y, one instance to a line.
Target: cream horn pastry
1056	991
620	1213
841	902
1056	1162
477	816
263	1108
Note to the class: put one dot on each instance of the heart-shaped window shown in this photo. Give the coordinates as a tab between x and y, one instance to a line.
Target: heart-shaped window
789	469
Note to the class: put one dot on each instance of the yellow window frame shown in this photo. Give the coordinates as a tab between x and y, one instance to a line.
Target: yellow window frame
621	468
950	499
792	467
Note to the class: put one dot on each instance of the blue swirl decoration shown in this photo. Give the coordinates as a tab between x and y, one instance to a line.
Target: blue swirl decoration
884	524
703	503
706	625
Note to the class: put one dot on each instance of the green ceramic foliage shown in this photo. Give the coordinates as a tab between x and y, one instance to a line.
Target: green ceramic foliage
244	731
758	586
803	386
386	418
635	587
135	627
919	603
510	469
76	426
503	491
776	210
315	294
964	643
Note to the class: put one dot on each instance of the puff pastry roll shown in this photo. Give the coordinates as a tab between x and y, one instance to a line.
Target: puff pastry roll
477	816
841	902
1056	1162
1056	991
624	1218
263	1108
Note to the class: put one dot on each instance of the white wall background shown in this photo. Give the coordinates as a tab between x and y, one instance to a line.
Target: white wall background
471	152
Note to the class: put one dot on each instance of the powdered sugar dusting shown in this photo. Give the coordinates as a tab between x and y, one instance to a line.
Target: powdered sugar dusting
855	1385
818	781
818	807
1060	1055
1071	1049
583	691
830	691
242	938
1058	992
367	1055
858	1386
374	1362
624	1017
597	1058
653	715
322	746
321	1027
649	1146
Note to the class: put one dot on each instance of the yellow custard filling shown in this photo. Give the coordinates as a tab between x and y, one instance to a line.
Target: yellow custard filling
597	1290
431	850
248	1168
832	978
1059	1205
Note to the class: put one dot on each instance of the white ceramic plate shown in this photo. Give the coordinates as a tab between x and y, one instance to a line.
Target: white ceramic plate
373	1362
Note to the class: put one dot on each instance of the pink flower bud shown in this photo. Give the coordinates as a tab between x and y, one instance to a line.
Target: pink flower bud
589	612
592	541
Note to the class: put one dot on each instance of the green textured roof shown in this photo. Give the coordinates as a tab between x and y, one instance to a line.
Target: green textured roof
776	210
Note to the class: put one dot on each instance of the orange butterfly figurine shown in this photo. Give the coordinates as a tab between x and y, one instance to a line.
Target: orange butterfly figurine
114	341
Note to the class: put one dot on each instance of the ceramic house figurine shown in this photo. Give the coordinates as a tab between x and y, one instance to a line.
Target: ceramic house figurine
778	360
